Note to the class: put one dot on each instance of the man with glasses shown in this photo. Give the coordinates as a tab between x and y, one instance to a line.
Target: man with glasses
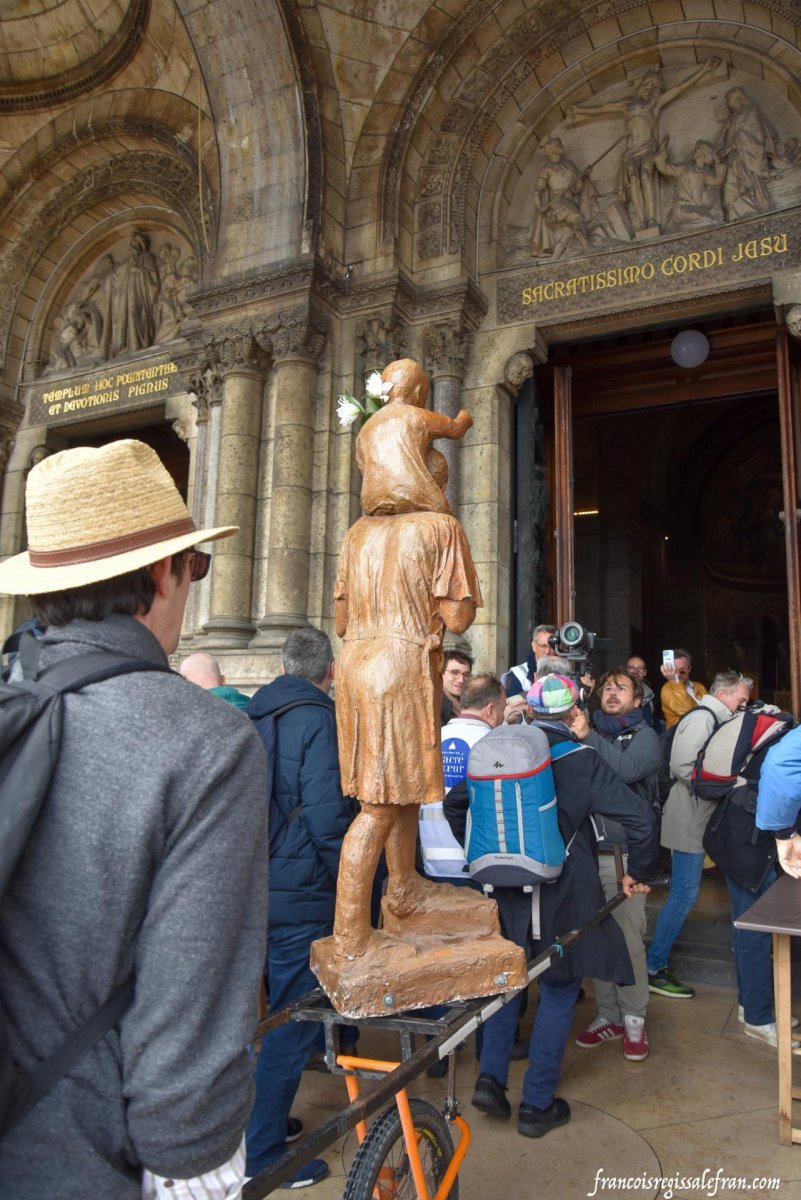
518	679
457	671
146	863
636	666
621	737
679	694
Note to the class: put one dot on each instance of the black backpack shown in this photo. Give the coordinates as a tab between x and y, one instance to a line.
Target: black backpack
730	774
30	739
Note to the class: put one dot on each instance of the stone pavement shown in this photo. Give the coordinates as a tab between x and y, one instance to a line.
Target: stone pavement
705	1099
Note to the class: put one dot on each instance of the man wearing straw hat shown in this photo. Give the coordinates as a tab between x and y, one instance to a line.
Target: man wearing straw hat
148	860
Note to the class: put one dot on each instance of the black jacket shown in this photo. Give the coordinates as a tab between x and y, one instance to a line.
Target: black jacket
303	871
584	785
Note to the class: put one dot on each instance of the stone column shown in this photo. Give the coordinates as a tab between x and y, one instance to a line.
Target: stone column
446	347
297	344
243	366
205	391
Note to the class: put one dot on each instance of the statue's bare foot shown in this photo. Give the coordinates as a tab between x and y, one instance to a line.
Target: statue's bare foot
405	897
355	944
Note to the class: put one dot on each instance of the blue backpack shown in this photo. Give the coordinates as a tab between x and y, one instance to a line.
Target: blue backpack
512	836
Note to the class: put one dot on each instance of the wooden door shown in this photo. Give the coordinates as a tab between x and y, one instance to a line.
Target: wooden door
789	372
563	495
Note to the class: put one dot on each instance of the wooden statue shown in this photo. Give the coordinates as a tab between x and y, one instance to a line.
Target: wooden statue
405	576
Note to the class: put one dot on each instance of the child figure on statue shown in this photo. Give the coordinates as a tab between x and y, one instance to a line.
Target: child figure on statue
401	472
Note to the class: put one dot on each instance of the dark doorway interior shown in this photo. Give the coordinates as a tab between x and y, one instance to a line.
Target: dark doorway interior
678	539
162	438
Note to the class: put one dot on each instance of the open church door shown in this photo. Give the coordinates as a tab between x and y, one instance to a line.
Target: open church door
789	372
564	542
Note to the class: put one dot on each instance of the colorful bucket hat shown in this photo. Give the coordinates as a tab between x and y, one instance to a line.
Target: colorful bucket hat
552	695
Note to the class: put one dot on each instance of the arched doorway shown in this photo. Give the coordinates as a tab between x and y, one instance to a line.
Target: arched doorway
676	494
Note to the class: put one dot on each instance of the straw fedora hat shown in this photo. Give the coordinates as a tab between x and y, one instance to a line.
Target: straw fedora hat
96	513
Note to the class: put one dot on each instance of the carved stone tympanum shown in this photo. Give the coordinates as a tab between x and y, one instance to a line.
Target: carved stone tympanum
640	113
123	305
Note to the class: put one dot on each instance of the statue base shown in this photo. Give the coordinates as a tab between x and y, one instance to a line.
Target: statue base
396	973
453	951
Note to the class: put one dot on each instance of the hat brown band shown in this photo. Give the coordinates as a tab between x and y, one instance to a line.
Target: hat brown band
120	545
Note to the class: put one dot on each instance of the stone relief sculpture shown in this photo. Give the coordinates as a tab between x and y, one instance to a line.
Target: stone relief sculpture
134	307
696	186
640	113
739	167
566	204
747	145
405	575
123	306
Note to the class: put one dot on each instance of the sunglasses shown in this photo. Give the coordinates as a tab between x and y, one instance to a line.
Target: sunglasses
199	562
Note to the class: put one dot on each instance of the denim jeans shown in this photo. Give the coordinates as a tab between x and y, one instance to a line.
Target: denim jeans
284	1050
548	1041
752	957
685	882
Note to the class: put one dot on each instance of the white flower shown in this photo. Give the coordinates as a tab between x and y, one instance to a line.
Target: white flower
349	409
375	387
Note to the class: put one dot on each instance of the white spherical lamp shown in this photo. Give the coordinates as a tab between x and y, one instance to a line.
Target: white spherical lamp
689	348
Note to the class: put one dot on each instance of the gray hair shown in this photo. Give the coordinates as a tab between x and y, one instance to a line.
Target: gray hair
683	654
551	664
727	681
308	654
544	629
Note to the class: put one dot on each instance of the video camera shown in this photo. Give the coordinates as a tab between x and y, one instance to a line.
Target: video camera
576	644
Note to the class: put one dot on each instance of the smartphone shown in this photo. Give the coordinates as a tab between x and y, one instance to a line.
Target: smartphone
668	660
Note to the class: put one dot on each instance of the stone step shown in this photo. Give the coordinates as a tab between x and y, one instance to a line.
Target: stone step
702	952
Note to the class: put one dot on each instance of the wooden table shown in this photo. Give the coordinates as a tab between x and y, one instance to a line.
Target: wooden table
779	912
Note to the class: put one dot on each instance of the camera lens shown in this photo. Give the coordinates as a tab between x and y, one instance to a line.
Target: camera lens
571	633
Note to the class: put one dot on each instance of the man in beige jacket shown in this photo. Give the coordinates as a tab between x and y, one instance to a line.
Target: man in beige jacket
684	821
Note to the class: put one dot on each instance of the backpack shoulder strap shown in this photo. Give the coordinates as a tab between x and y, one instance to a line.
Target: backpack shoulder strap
279	712
79	670
560	749
35	1085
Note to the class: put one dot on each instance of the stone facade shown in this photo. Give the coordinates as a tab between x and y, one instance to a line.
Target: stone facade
220	217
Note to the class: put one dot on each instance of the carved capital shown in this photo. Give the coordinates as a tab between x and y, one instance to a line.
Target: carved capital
295	334
447	348
518	369
236	348
381	340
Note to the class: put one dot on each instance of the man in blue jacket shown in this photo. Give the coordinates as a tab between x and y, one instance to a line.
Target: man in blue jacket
303	875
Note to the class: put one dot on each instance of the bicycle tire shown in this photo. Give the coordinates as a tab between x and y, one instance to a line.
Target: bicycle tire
383	1150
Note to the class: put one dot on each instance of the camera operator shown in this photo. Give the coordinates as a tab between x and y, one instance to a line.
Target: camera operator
625	742
518	679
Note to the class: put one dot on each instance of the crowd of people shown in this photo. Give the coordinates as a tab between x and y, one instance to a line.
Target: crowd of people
167	850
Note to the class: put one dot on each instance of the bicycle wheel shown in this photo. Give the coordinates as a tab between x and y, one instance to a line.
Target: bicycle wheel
381	1169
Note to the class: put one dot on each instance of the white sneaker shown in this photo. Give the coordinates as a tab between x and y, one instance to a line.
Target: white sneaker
741	1017
635	1039
767	1033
